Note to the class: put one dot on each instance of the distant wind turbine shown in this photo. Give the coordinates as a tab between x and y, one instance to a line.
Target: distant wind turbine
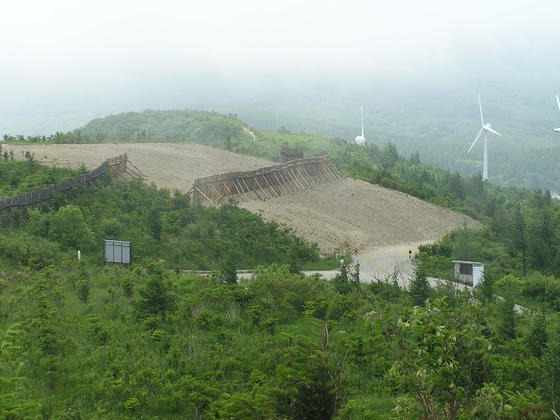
361	139
558	100
486	128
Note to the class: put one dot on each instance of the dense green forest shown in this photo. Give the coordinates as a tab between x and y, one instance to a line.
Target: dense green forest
94	342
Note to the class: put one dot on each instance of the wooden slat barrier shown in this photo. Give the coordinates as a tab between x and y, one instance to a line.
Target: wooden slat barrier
117	165
263	183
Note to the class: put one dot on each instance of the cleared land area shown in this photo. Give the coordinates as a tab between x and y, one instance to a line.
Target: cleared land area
343	213
359	214
173	166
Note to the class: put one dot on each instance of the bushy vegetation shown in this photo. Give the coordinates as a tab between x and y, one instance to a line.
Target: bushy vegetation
149	343
160	225
17	177
519	246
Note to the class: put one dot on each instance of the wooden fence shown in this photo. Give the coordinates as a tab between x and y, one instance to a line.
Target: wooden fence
118	165
263	183
287	154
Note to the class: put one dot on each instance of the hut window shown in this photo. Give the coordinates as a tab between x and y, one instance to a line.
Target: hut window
465	269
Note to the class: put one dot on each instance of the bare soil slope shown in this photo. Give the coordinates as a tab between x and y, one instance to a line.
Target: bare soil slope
348	211
361	214
174	166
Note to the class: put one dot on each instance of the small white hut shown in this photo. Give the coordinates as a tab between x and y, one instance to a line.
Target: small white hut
468	272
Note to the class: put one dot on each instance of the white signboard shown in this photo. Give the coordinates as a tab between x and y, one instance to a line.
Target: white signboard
116	251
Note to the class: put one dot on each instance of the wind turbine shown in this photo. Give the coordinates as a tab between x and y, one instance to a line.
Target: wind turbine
361	139
558	100
486	128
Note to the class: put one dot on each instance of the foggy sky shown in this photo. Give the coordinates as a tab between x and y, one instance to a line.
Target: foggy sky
72	60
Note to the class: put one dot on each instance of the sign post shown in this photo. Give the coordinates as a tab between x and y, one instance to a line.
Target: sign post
118	252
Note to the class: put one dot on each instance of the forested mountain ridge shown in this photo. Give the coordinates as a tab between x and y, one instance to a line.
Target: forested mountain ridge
170	126
525	155
436	118
371	163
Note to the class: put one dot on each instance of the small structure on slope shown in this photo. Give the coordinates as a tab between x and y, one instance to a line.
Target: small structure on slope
468	272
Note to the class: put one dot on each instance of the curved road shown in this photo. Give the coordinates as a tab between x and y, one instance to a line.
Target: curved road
381	263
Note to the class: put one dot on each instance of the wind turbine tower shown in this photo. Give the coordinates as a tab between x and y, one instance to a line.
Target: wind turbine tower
558	101
361	139
486	128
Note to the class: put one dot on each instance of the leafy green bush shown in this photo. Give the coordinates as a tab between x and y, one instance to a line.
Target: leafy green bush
28	251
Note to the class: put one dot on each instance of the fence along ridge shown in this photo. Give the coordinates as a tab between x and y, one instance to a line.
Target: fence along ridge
268	182
118	165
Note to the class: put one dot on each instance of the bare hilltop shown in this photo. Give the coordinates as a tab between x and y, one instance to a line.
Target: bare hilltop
344	213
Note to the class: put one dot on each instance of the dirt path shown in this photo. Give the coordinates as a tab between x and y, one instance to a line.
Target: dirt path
383	261
341	215
250	133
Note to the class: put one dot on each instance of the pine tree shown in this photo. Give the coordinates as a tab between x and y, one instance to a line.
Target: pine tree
341	283
486	287
518	236
355	276
506	320
228	272
551	363
82	289
156	298
538	337
419	289
154	222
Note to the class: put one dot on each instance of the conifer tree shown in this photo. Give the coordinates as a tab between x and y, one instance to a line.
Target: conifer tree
228	272
506	320
538	337
420	289
156	298
486	287
154	222
551	363
518	236
341	283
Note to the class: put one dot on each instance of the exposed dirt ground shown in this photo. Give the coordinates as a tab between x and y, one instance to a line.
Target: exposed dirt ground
350	212
359	214
174	166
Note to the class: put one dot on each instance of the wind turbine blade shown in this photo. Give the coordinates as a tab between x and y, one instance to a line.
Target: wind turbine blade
480	106
558	100
492	131
476	139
